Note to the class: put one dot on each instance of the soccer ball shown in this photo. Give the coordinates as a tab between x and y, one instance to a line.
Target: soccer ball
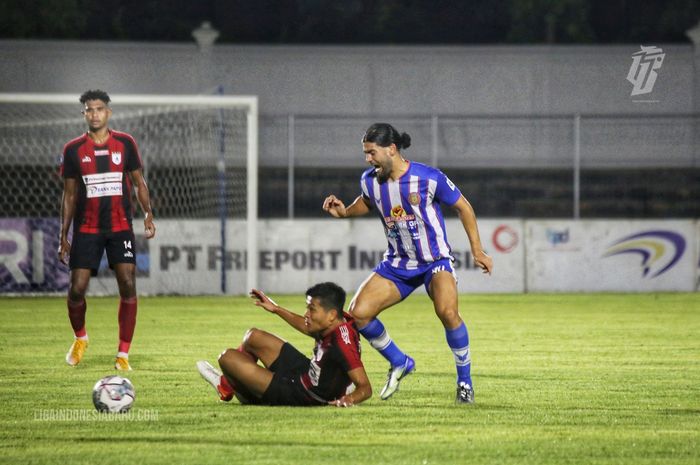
113	394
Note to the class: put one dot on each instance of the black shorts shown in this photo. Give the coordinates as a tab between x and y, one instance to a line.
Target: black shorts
285	387
87	249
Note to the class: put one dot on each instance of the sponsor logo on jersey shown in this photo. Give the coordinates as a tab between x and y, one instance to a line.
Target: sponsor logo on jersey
103	184
398	212
314	367
101	152
414	198
104	190
398	215
86	159
345	334
102	177
450	183
116	157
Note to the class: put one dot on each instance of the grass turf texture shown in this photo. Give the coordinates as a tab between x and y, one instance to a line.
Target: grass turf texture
570	379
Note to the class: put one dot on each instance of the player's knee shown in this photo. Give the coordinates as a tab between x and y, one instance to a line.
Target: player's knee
449	316
76	293
362	314
127	287
251	334
251	337
227	357
361	322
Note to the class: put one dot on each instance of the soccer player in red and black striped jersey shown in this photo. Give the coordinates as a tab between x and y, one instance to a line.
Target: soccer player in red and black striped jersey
99	169
333	376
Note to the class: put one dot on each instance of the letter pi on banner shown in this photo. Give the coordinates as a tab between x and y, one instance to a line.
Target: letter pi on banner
28	261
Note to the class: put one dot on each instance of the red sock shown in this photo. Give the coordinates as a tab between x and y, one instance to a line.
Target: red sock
76	315
226	390
245	352
127	322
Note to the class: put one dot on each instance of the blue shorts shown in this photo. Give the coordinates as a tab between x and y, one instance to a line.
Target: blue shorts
408	280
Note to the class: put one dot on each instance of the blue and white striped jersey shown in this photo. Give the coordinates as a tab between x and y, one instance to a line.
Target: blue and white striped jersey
411	215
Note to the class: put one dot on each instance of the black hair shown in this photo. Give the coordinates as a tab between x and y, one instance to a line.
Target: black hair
330	295
384	134
96	94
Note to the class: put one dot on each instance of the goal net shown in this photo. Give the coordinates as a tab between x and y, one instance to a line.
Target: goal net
200	163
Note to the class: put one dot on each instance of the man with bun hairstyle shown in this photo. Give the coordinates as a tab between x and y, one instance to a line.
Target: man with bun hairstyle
408	197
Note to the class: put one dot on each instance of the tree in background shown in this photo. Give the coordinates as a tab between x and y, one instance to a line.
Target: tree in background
355	21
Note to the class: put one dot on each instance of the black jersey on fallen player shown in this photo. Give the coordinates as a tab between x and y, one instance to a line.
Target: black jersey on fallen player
104	187
334	355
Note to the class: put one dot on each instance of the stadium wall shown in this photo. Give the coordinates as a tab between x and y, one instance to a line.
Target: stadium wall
334	92
529	256
359	80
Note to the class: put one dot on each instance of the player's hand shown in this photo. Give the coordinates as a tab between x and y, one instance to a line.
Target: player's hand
345	401
149	227
261	300
483	261
334	206
63	250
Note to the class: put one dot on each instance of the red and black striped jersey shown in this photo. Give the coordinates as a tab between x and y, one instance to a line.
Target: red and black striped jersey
334	355
104	186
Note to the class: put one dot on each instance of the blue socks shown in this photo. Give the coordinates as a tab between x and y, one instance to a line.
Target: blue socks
458	340
378	338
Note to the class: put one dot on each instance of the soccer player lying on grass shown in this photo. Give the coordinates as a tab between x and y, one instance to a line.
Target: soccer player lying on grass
287	377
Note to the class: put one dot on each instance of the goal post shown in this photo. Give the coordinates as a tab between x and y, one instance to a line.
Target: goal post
200	155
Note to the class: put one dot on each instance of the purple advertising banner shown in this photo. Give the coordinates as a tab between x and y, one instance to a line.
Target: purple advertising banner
28	259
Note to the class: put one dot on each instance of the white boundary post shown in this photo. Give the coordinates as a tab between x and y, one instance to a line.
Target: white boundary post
252	196
290	165
577	166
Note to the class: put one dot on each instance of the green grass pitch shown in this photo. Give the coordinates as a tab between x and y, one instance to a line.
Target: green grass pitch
571	379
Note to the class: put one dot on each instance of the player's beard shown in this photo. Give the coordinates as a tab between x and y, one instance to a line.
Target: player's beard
383	174
96	126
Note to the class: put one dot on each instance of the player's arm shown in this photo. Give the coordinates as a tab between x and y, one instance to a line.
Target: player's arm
468	218
144	198
68	205
337	208
294	320
363	389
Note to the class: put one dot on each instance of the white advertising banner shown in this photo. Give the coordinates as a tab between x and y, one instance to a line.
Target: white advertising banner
185	256
529	256
297	254
504	241
610	255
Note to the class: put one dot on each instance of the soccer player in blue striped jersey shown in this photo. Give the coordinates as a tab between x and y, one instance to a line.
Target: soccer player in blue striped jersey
408	197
